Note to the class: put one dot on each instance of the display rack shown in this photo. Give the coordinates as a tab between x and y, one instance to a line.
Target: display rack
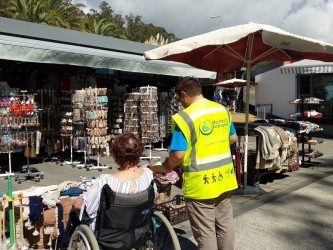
19	118
149	132
12	113
132	113
76	122
96	112
66	126
173	107
306	113
163	121
33	135
80	144
116	117
49	116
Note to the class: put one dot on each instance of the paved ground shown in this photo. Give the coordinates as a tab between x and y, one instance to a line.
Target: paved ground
300	219
292	210
287	211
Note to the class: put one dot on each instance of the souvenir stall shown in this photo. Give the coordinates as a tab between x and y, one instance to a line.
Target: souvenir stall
307	113
275	149
141	113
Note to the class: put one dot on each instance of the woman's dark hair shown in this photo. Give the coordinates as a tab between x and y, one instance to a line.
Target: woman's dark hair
190	85
126	149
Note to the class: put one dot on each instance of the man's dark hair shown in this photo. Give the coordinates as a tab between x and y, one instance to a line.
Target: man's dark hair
190	85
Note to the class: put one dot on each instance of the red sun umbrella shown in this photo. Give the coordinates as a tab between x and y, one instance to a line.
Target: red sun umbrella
230	49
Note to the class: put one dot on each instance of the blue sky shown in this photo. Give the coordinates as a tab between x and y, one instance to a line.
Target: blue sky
185	18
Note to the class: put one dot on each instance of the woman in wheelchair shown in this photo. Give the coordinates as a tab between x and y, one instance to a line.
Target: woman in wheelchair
126	150
119	207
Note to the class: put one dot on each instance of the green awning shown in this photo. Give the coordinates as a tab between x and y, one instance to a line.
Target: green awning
32	50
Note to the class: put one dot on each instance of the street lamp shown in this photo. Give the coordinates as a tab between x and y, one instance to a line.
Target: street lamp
220	22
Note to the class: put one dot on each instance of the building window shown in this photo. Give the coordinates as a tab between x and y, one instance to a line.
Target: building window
323	89
304	85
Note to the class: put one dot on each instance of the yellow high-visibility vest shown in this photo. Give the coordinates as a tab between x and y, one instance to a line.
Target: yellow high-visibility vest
208	165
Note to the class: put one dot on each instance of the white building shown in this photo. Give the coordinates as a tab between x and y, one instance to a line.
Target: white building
305	78
276	89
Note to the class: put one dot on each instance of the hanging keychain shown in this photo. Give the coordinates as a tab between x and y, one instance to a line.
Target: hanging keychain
27	149
32	149
38	139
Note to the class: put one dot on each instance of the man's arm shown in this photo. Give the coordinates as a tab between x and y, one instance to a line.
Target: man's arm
178	148
233	138
175	159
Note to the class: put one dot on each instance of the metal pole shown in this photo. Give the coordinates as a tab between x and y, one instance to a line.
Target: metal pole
10	204
246	128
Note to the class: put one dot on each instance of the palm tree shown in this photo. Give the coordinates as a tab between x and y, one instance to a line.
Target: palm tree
26	10
63	13
59	13
105	27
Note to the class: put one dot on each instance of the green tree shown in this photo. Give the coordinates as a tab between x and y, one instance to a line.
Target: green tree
106	22
59	13
139	31
3	4
104	27
135	28
65	14
25	10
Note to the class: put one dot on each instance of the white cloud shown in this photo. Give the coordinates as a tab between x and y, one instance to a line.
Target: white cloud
185	18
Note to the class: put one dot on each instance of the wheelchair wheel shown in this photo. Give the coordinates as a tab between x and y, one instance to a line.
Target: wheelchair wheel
163	235
83	239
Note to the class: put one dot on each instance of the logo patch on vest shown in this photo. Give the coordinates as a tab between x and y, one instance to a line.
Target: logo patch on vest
206	127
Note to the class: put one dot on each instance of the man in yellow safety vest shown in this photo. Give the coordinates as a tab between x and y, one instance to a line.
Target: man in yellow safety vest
201	137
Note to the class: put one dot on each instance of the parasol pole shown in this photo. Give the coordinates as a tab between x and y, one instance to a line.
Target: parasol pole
235	97
246	128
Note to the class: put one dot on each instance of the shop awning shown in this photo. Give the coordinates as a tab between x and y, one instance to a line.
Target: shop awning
32	50
307	67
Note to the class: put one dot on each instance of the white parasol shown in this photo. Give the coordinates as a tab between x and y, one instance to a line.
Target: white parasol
230	49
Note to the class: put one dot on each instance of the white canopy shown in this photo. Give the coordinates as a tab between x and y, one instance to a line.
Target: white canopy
307	67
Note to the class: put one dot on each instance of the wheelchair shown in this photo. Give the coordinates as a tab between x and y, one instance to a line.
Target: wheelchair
126	222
